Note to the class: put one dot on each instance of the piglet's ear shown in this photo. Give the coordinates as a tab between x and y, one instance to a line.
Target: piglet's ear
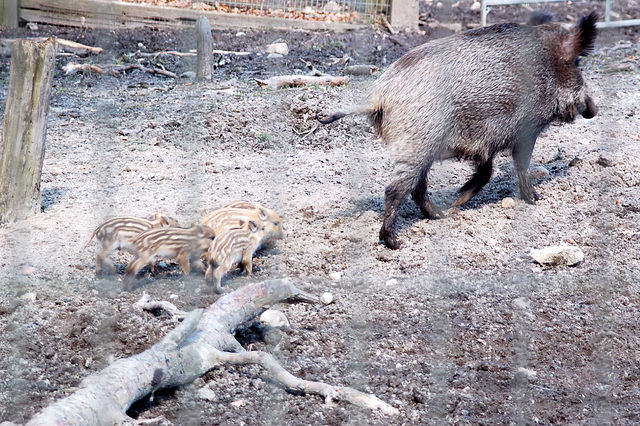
581	37
253	226
263	213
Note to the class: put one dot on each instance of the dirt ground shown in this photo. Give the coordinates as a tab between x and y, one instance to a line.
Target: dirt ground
459	326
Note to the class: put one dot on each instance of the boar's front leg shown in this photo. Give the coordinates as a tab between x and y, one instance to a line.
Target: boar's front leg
474	185
521	154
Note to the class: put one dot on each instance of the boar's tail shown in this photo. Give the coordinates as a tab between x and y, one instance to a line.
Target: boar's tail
337	115
92	235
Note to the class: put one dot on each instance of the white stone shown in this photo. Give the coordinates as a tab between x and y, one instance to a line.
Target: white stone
558	255
508	203
529	374
30	297
326	298
207	394
273	318
336	276
239	403
475	6
280	48
391	282
274	56
55	171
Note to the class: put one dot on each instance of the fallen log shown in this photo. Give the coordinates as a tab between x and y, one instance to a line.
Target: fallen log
280	82
203	341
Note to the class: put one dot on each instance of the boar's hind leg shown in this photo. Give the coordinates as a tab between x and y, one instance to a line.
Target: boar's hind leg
475	184
521	154
421	198
403	182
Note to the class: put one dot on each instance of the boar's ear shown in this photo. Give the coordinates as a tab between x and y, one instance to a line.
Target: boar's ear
582	36
253	226
539	18
262	213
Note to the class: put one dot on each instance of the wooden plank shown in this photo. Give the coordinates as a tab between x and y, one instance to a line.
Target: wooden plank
118	15
23	134
9	13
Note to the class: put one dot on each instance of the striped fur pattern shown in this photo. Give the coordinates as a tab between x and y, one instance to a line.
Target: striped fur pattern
233	246
183	244
232	214
118	232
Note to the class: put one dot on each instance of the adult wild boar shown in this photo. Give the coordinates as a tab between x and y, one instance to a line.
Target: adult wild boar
472	95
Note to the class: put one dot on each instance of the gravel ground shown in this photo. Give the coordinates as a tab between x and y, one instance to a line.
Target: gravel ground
459	326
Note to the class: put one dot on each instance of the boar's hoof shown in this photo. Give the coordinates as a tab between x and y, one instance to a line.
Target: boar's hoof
530	196
389	239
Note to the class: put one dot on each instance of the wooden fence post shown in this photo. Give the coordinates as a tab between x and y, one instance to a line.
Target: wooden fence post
204	43
405	14
9	13
23	134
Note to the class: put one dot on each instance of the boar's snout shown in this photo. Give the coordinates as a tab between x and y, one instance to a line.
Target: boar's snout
590	109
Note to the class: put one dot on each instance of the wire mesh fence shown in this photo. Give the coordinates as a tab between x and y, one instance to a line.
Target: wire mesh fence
340	10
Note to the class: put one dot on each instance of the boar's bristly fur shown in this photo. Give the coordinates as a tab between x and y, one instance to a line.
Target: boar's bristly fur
472	95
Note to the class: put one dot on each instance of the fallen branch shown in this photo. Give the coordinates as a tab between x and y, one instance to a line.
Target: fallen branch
146	304
201	342
386	23
64	46
72	68
301	80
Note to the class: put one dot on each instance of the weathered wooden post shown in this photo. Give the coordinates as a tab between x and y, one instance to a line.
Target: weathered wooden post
405	14
23	134
204	43
9	13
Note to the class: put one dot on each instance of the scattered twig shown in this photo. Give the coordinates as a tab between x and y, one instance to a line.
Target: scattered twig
72	68
386	23
280	82
399	42
306	132
146	304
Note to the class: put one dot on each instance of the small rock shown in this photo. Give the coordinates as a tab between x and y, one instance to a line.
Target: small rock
539	172
475	6
336	276
526	373
575	161
274	56
280	48
55	171
605	162
191	75
29	297
558	255
28	270
273	318
239	403
240	34
207	394
391	282
32	26
88	362
508	203
326	298
522	303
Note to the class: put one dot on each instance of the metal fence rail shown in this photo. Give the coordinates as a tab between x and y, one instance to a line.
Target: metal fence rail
608	23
